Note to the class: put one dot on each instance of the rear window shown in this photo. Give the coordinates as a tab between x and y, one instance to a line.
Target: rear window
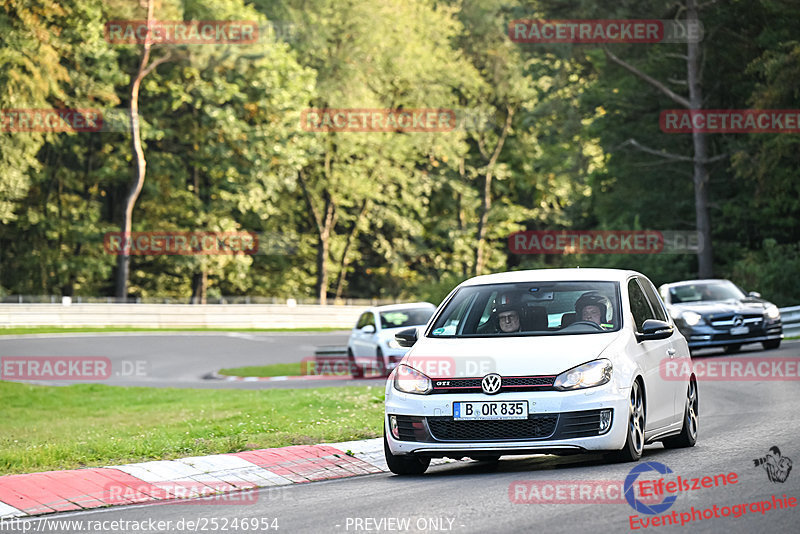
705	292
404	318
530	309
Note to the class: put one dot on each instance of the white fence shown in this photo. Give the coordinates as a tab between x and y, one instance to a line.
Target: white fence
180	315
217	316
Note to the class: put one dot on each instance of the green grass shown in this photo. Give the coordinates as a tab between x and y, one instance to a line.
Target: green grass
49	428
65	330
276	369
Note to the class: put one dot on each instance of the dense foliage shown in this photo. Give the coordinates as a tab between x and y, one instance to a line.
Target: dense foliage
392	215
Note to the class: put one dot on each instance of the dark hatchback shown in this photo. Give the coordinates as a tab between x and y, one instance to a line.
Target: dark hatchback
717	313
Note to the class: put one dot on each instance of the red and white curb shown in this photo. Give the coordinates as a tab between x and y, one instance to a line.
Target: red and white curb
186	478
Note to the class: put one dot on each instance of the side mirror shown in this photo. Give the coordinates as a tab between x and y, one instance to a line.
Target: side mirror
754	294
654	329
368	329
406	338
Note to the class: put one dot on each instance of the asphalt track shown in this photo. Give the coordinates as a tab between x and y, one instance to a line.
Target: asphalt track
739	422
181	359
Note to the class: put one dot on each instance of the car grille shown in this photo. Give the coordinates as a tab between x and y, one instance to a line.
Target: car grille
535	427
509	383
565	425
726	320
579	424
411	428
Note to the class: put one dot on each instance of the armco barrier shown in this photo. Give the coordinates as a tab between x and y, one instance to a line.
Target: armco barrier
179	315
790	317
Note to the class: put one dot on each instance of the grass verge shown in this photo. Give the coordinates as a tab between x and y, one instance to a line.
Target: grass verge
65	330
49	428
275	369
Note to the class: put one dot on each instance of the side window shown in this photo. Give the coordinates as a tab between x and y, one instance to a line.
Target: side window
365	319
452	321
655	302
639	305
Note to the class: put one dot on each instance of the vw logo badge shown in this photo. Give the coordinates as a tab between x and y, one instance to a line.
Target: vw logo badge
738	321
491	383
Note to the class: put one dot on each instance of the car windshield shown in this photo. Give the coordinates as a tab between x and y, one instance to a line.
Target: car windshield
530	309
405	318
705	291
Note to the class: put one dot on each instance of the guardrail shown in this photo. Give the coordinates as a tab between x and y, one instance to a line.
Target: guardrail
790	317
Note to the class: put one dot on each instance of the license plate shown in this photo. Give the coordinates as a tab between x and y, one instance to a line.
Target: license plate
469	411
739	330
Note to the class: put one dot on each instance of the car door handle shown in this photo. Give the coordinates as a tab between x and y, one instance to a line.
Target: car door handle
671	353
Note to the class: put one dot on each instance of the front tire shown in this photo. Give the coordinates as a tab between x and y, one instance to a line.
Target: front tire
356	370
404	465
634	444
381	369
691	414
772	344
732	349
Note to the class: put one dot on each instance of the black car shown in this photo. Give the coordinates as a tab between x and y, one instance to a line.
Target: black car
717	313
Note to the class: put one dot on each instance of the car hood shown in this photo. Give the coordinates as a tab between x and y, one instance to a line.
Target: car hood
512	356
723	306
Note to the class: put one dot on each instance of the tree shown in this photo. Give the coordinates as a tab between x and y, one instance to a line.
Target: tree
140	163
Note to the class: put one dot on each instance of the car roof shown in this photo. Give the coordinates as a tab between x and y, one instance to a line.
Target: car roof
403	306
698	281
553	275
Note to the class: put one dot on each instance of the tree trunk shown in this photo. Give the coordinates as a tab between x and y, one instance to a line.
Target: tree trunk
123	260
345	261
705	254
200	286
486	201
699	159
324	223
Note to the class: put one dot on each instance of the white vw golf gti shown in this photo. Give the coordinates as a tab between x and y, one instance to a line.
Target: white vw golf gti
553	361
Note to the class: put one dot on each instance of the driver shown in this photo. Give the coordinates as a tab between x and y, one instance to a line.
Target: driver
592	307
507	314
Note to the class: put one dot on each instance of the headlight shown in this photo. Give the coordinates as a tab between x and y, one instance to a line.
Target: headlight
393	344
409	380
691	318
773	312
588	375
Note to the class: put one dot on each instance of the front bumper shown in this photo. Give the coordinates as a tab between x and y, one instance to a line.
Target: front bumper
704	335
558	422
